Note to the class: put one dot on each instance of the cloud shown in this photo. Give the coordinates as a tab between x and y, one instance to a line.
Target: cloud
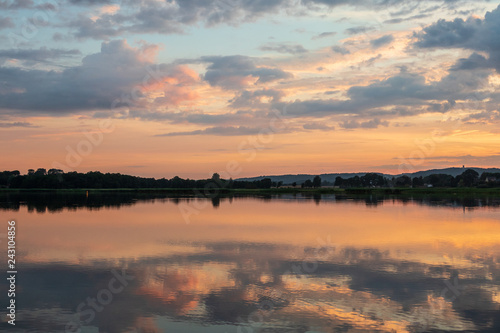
481	35
219	131
16	124
325	35
318	126
448	33
284	48
6	22
340	49
41	55
384	40
117	72
483	117
175	16
475	61
358	30
172	16
90	2
237	72
256	99
16	4
374	123
400	91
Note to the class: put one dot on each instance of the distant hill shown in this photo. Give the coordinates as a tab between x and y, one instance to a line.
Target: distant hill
450	171
330	177
299	179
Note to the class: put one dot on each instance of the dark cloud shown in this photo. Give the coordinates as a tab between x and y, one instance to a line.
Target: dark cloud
6	22
284	48
174	16
219	131
41	55
387	39
475	61
448	33
103	28
482	35
113	74
236	72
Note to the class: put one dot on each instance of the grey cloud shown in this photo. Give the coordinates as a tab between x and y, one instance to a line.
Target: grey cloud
90	2
233	72
284	48
448	33
325	35
387	39
103	28
16	4
402	90
6	22
399	20
199	118
394	21
174	16
318	126
484	116
16	124
475	61
41	55
219	131
482	35
374	123
407	88
254	99
101	79
358	30
340	49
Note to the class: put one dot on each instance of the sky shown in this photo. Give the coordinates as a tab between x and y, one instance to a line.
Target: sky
160	88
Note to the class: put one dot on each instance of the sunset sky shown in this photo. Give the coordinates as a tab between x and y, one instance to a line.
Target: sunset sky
246	88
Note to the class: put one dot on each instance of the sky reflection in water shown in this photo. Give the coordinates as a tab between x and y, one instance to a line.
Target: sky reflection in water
289	264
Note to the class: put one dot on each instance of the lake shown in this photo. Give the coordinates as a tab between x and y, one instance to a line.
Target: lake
110	263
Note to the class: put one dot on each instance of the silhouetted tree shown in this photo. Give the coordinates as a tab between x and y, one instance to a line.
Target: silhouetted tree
308	183
40	172
417	181
403	181
316	182
470	178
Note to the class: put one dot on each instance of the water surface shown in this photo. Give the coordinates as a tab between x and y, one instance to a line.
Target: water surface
246	264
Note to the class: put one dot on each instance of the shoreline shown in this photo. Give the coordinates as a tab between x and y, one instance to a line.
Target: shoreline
461	191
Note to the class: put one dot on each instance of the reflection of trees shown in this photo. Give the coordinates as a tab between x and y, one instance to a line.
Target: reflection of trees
52	201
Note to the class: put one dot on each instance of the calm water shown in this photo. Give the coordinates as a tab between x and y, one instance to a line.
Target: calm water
288	264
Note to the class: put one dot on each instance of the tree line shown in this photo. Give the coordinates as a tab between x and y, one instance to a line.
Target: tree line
469	178
57	179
